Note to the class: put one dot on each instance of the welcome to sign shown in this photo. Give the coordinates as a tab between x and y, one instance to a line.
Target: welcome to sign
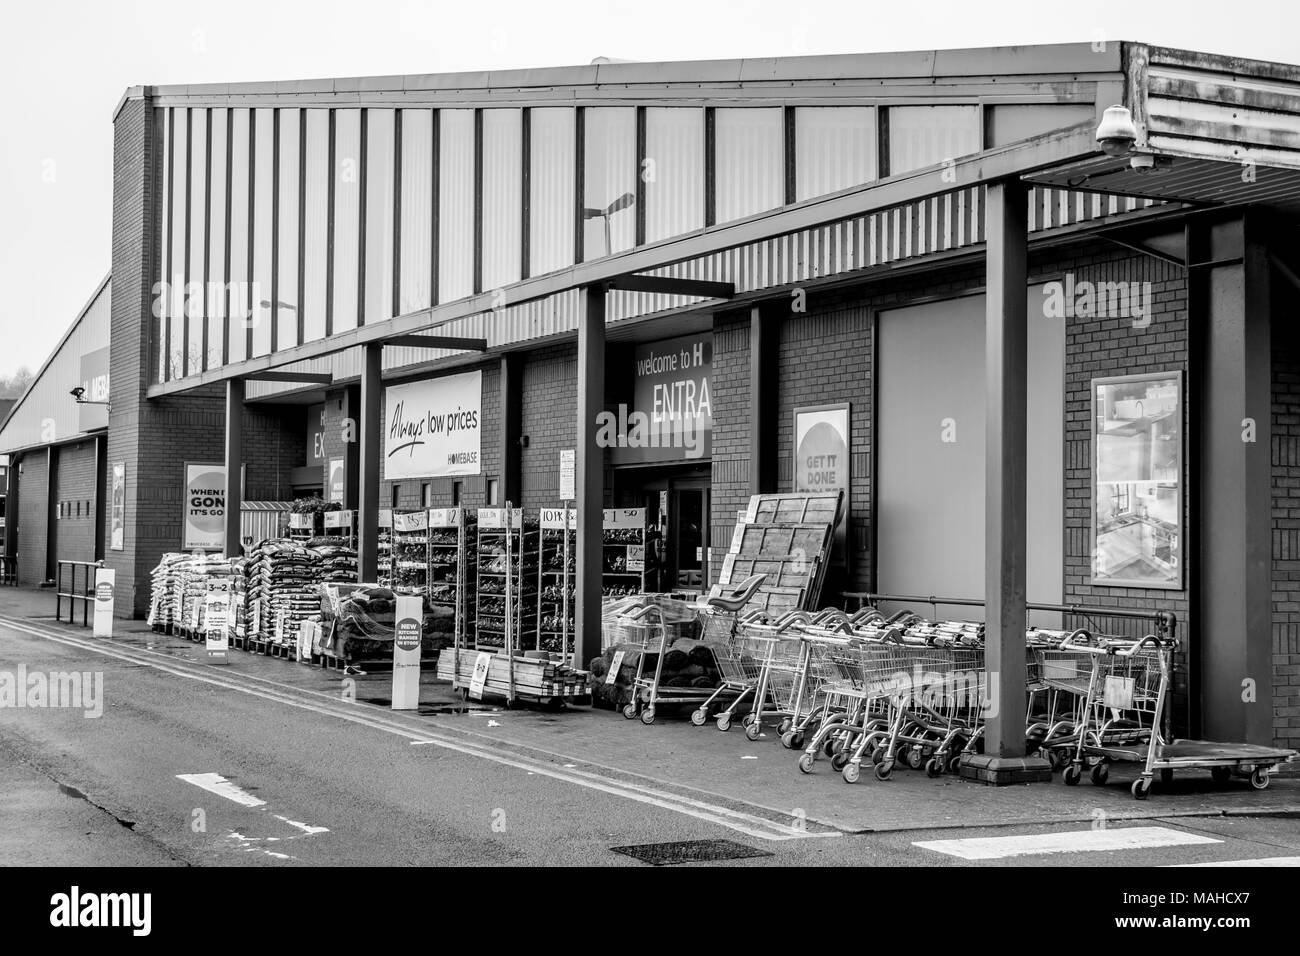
434	428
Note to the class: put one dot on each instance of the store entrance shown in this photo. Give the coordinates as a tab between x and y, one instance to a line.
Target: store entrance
677	501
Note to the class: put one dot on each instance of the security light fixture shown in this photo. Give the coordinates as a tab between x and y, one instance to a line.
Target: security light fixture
1117	132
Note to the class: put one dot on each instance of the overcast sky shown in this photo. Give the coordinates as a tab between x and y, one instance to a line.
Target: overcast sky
64	66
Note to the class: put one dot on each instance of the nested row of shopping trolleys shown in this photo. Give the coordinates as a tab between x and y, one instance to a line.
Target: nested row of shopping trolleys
865	690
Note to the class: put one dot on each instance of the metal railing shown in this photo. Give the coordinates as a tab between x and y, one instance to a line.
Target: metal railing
8	570
1166	622
86	596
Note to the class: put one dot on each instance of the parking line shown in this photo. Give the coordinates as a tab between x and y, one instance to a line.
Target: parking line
1074	841
215	783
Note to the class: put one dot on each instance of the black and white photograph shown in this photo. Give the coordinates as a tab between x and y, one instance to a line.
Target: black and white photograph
662	437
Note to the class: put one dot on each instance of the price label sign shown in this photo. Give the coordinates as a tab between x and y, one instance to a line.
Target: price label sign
555	518
478	680
1118	693
216	623
614	666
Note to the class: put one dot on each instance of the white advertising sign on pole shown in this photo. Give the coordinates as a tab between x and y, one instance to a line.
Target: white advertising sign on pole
568	474
105	581
433	428
406	652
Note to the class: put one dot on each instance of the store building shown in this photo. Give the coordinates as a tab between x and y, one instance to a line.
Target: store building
1039	371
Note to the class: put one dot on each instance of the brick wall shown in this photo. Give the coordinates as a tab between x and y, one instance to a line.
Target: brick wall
1102	347
75	500
135	179
275	443
729	384
550	409
1286	538
825	358
33	532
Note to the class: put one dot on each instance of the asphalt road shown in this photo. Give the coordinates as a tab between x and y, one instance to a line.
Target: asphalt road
356	785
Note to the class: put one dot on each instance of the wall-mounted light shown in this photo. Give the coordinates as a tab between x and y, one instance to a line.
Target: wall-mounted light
79	396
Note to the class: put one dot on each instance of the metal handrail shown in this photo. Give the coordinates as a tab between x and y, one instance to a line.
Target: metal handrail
1166	622
85	597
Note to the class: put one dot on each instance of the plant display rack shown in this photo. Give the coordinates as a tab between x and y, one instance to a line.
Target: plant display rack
453	566
410	552
506	595
555	582
342	524
302	526
623	552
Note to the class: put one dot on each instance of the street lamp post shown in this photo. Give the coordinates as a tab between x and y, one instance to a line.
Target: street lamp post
622	202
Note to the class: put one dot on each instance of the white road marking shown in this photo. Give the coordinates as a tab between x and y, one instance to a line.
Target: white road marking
1074	841
746	823
305	828
1264	861
215	783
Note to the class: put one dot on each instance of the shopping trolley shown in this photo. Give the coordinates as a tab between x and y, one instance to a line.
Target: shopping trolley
936	709
1058	677
1124	722
743	659
807	704
855	678
646	629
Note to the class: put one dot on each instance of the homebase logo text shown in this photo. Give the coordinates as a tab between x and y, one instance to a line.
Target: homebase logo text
73	909
39	691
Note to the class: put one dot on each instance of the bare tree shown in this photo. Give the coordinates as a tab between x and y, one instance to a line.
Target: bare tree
15	383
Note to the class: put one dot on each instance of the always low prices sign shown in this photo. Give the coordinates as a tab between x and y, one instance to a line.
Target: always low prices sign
205	507
434	427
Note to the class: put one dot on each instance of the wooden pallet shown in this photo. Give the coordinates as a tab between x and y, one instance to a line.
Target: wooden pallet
800	508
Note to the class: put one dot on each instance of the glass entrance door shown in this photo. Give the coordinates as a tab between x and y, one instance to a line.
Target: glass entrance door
688	514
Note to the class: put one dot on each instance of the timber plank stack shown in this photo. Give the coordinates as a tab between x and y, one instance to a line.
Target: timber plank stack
534	678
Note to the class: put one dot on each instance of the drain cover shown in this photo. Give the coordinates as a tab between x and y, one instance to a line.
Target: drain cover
690	851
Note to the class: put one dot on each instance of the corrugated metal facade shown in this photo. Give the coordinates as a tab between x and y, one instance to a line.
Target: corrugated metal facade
47	414
945	223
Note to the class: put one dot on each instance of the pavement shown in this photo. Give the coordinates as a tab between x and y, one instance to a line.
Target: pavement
270	762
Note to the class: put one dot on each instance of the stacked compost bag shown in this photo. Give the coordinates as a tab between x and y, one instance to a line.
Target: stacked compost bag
164	587
282	586
359	620
336	562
